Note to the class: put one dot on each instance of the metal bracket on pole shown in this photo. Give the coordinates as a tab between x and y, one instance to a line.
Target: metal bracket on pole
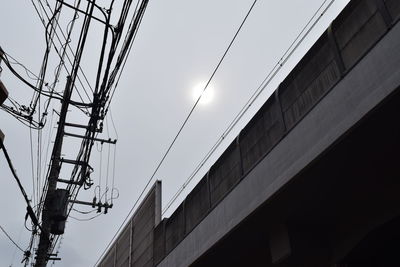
83	127
53	259
94	204
94	139
67	181
75	162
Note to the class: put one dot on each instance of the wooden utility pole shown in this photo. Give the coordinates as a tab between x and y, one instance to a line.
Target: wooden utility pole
47	221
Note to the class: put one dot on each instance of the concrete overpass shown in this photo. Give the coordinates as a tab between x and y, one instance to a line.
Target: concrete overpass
312	180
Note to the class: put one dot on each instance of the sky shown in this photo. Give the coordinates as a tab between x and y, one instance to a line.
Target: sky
177	47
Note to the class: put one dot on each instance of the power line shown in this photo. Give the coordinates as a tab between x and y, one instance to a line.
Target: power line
126	49
86	219
44	244
95	116
107	81
84	153
7	63
63	34
28	72
286	55
67	41
182	126
32	169
29	207
43	68
9	237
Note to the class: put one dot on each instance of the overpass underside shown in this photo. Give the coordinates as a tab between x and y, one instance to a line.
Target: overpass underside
344	208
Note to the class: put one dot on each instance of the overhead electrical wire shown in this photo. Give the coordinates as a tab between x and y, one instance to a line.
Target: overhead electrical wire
21	112
96	115
62	55
180	129
44	93
30	211
78	55
126	48
73	72
59	39
86	145
43	188
108	162
49	35
28	72
105	92
34	191
21	117
127	55
101	91
16	248
85	219
39	158
72	78
4	57
293	46
66	44
87	142
85	151
84	212
272	73
9	237
14	103
113	188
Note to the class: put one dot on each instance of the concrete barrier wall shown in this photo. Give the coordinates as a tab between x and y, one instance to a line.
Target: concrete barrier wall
353	33
109	259
197	204
175	228
316	73
261	133
134	245
122	247
159	242
225	173
142	238
357	29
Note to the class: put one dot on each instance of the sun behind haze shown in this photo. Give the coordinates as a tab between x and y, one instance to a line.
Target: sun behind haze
207	95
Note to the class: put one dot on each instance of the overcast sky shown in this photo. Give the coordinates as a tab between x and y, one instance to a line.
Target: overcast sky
177	47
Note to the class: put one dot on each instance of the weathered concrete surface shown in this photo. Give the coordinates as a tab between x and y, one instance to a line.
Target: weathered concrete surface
363	88
134	245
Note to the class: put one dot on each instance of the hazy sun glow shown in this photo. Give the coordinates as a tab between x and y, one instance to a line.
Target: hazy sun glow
206	96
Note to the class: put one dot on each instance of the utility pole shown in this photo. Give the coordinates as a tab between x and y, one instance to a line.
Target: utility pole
47	216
